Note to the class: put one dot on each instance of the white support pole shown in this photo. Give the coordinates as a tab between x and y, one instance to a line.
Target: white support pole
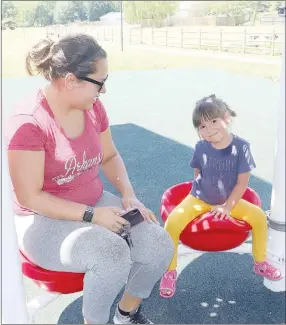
276	233
14	309
121	25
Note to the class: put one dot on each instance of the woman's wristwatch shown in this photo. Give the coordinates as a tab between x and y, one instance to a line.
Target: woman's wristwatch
88	214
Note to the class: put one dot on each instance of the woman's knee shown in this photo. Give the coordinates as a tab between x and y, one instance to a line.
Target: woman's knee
93	248
165	249
162	247
117	256
158	245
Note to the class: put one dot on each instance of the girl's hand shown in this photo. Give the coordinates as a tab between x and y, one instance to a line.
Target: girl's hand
132	202
221	212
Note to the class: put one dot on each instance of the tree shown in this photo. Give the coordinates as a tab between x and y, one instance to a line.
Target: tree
26	12
59	14
29	17
70	11
237	8
96	9
156	11
131	12
75	10
44	13
9	10
276	4
228	8
257	6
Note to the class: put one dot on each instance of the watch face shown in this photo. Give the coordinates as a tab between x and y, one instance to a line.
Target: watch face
90	209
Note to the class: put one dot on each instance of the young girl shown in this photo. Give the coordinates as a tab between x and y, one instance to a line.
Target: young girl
222	163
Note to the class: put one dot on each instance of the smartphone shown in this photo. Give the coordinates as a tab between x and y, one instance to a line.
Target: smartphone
133	216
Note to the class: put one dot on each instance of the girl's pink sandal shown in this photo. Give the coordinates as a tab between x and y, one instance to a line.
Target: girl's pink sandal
267	270
168	283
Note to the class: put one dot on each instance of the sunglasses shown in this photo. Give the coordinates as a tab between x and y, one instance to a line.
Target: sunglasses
99	83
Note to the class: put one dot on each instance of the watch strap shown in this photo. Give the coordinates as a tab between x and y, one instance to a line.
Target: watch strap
88	214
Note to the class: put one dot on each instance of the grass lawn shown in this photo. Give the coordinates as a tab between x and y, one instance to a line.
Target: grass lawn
16	43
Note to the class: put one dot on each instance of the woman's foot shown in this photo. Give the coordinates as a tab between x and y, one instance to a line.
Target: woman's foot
133	317
267	270
168	284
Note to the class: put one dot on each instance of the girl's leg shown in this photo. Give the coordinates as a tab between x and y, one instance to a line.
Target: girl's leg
256	218
179	218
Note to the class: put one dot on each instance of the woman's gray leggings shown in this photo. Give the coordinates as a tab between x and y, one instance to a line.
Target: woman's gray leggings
104	257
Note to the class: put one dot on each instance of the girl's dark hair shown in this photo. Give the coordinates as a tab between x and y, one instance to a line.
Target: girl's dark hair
209	108
75	54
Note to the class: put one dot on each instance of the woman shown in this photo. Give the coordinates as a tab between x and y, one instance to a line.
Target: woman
65	220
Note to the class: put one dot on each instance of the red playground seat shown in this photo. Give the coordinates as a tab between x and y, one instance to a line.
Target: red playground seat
52	281
204	233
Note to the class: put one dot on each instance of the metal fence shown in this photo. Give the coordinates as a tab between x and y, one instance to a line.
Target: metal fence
243	41
239	40
270	20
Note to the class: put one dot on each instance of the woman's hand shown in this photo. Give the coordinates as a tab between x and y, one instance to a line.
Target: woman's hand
109	217
221	212
132	202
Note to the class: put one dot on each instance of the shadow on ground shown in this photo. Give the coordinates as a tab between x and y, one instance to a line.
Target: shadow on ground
215	288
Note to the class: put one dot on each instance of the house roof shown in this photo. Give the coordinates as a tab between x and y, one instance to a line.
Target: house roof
112	15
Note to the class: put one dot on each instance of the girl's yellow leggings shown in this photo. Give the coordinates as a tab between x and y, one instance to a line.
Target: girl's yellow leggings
190	208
